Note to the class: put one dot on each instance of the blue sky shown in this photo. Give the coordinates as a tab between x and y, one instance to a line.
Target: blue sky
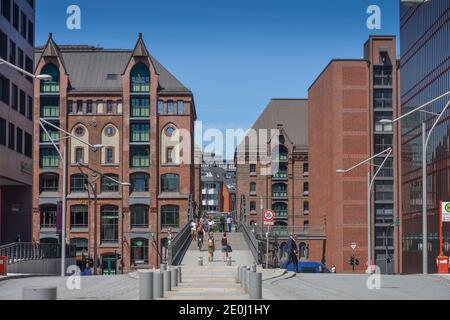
235	55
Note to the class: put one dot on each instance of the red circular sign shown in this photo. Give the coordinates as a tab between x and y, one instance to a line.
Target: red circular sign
269	215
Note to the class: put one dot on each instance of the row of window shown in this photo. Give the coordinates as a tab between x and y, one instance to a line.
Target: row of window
11	11
81	107
109	218
170	182
279	189
280	208
16	55
16	98
282	169
168	107
15	138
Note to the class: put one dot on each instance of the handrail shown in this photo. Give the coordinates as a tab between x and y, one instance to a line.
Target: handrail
252	241
23	251
178	245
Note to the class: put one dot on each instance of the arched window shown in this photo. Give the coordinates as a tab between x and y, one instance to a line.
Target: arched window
140	78
139	251
303	250
48	182
139	182
50	86
81	245
139	216
280	210
279	190
109	230
170	216
79	216
170	182
109	185
78	183
48	216
280	153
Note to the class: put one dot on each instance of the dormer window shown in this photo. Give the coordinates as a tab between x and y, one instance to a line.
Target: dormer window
140	79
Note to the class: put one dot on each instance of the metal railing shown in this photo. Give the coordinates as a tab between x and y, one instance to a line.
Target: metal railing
179	245
251	239
24	251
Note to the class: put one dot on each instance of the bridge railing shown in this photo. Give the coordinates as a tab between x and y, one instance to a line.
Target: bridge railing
251	239
178	245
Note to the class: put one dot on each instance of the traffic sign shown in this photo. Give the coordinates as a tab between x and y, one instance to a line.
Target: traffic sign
269	216
445	211
353	246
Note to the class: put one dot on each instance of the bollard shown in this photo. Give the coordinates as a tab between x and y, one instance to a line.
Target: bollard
167	280
145	285
200	261
163	267
158	285
255	285
237	277
247	279
229	261
179	274
242	276
254	267
39	293
174	279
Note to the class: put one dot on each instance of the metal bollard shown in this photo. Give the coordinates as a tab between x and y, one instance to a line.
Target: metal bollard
145	285
254	266
167	280
255	285
158	285
179	274
242	276
39	293
247	279
174	280
237	277
229	261
200	261
163	267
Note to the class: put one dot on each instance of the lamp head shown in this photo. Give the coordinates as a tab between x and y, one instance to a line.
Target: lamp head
44	77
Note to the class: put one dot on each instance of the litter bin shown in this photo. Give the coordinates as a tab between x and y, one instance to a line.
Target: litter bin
3	265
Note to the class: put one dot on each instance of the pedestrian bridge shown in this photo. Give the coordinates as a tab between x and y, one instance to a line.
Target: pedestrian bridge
241	254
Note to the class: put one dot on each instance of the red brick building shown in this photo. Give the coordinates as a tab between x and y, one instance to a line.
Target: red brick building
144	117
273	173
346	103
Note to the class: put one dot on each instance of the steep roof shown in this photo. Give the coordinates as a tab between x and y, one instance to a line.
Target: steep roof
292	114
93	69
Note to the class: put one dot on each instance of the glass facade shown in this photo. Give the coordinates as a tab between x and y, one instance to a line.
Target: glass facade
425	75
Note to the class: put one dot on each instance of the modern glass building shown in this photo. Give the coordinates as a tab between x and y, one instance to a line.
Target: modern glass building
425	75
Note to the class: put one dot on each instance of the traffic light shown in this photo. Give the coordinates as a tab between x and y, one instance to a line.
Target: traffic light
351	261
356	262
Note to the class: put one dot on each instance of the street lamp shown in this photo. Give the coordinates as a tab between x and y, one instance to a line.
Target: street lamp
370	182
425	140
63	156
44	77
93	185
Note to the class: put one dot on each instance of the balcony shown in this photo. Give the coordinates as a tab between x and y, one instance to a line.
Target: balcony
281	175
50	87
140	161
281	214
282	157
279	231
279	195
50	112
53	134
140	111
49	161
140	136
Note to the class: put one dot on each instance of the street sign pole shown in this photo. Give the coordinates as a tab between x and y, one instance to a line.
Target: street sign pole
267	247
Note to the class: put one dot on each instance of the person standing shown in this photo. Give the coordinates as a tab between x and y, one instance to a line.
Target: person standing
211	247
292	251
210	225
229	222
333	269
194	231
222	223
225	247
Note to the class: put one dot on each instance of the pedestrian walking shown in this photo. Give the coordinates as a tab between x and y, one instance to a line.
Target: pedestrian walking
224	247
211	247
333	269
229	222
194	231
210	225
200	234
222	223
292	251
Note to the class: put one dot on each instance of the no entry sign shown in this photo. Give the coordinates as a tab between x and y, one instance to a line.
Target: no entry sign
269	216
